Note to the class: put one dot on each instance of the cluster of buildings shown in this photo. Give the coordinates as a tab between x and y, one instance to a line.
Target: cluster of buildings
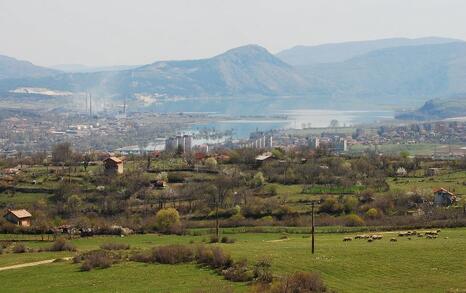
183	143
334	143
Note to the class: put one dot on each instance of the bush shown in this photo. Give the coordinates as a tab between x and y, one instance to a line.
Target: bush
300	282
372	213
170	254
174	177
263	270
114	246
96	259
19	248
213	257
238	272
62	245
213	239
167	220
173	254
225	239
353	220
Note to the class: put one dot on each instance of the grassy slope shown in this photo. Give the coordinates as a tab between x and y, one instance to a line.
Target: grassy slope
381	266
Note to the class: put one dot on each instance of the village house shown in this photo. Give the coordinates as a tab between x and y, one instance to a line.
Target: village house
401	172
113	165
444	197
267	156
432	171
19	217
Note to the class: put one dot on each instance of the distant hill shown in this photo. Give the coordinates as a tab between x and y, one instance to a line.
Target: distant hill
78	68
13	68
247	70
339	52
397	75
438	109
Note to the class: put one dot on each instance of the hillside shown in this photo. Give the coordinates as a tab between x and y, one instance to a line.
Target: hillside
13	68
399	76
339	52
438	109
248	70
403	75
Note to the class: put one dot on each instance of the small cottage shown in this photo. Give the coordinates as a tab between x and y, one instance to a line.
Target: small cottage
113	165
19	217
444	197
401	172
267	156
432	172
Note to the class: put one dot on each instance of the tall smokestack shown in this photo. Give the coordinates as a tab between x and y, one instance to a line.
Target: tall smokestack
90	105
85	98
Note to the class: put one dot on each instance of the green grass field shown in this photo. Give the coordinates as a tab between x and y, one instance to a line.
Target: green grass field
417	265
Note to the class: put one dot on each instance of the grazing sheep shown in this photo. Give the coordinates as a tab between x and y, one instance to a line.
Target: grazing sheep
446	237
420	235
438	231
347	239
409	238
369	240
393	240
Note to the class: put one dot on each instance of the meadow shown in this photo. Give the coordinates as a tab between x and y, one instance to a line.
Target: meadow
416	265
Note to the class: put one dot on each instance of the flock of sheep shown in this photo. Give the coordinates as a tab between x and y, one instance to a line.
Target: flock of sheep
371	237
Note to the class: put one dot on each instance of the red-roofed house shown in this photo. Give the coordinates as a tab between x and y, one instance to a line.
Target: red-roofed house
19	217
113	165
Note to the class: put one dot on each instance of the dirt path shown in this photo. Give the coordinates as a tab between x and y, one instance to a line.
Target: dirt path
31	264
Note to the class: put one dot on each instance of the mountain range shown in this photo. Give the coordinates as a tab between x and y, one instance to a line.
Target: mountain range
400	72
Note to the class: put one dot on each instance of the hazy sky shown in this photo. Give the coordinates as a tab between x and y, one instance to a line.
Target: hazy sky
107	32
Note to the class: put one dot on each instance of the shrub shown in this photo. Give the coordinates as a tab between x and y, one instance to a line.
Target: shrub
96	259
62	245
173	254
263	270
300	282
213	239
238	272
114	246
19	248
174	177
213	257
353	220
225	239
372	213
167	220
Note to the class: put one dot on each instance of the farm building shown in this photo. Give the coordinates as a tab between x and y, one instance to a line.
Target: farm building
113	165
444	197
432	171
267	156
19	217
401	172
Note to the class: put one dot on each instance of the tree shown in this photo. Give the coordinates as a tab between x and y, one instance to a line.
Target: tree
259	179
334	123
62	153
74	203
211	163
167	219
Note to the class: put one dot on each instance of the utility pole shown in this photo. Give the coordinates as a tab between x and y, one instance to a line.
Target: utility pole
217	232
312	228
